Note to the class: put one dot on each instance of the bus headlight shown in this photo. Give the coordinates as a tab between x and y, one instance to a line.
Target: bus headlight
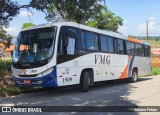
47	71
15	75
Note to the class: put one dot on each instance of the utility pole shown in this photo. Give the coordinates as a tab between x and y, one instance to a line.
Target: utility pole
147	29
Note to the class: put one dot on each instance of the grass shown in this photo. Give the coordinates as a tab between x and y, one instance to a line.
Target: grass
155	71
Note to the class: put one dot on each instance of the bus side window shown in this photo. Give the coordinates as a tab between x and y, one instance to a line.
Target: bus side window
128	45
110	44
91	40
130	48
120	46
83	40
115	45
138	49
60	45
143	50
147	51
71	46
104	43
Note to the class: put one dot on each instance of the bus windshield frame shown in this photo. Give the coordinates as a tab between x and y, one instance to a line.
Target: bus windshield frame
34	48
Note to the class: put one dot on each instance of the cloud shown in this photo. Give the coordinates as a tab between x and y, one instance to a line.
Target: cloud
122	28
12	31
151	25
153	28
25	14
142	26
126	21
152	18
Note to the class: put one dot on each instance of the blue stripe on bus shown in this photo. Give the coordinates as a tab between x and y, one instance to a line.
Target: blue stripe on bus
130	66
49	80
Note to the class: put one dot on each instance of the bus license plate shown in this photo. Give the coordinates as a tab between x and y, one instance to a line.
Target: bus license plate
27	81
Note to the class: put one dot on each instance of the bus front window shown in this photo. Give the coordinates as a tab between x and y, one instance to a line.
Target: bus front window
34	46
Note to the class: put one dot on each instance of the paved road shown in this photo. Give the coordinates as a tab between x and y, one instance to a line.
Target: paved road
145	92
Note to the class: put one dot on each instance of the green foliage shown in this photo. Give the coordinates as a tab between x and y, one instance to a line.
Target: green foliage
78	11
27	24
84	12
5	67
155	71
11	89
8	10
3	34
106	20
7	86
73	10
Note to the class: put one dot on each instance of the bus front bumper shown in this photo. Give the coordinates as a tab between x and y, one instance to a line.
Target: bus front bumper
49	80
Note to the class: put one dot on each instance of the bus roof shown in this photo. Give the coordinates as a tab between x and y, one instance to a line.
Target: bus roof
137	41
59	24
84	27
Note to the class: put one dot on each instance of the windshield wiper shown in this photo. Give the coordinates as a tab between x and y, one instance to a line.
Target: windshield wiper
26	65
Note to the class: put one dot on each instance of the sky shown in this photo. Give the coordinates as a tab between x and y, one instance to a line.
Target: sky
134	13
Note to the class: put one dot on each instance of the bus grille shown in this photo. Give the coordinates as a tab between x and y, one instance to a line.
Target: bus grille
28	75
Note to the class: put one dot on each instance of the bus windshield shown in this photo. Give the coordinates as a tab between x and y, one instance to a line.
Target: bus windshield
34	46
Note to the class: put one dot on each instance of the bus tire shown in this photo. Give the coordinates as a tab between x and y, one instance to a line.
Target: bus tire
134	77
85	81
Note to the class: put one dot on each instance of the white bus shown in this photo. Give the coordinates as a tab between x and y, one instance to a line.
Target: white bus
66	53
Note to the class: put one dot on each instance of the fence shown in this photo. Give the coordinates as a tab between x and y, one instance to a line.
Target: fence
156	60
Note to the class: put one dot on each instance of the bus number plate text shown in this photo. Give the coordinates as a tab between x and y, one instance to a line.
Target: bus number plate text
67	79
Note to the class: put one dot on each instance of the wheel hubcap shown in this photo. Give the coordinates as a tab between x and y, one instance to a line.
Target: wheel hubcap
134	76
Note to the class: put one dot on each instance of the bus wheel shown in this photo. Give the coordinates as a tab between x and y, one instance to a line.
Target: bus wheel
134	77
85	83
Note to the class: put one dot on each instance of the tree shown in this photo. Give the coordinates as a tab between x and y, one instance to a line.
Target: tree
89	13
80	11
27	24
106	20
4	35
73	10
8	10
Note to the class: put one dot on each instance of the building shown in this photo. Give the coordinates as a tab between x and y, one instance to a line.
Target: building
155	51
7	52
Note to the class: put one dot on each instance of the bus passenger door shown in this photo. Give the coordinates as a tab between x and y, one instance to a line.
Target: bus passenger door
66	68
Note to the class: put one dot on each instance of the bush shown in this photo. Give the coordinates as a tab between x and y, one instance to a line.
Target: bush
7	86
6	83
5	67
155	71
